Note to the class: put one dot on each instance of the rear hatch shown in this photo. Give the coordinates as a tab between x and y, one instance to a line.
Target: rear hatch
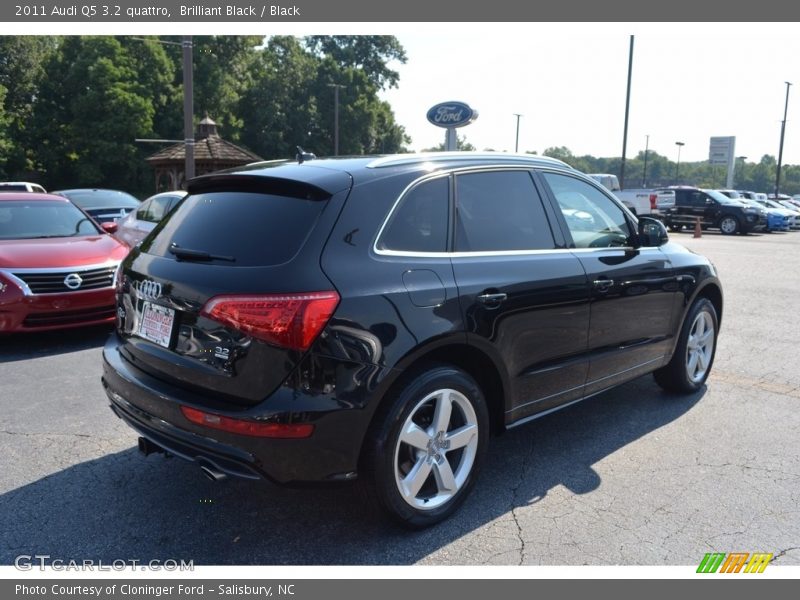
226	295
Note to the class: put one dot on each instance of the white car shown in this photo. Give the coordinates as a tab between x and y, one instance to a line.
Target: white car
134	226
789	205
21	186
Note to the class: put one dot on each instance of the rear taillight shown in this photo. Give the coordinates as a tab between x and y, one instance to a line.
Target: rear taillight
289	320
653	201
247	426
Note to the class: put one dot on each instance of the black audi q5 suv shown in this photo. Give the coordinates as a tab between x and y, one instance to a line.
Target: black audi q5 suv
379	318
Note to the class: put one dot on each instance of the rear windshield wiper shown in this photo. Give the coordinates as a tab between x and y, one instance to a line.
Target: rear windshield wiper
200	255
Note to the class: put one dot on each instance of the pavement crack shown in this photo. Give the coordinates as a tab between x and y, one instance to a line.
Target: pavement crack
515	503
44	434
783	553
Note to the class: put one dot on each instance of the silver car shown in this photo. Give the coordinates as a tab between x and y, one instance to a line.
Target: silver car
134	226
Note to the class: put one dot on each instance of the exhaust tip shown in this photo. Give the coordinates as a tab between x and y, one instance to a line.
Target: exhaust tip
146	447
213	473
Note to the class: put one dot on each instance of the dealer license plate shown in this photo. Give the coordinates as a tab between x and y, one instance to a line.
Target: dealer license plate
156	324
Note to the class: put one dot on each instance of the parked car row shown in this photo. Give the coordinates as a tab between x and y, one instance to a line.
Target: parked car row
59	252
730	211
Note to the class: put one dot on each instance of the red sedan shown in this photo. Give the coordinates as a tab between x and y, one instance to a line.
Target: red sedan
57	265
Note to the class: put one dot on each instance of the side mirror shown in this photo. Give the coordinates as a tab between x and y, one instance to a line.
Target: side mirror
652	232
111	227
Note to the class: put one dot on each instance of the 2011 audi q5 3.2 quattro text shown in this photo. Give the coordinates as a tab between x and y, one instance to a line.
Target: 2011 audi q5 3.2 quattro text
377	318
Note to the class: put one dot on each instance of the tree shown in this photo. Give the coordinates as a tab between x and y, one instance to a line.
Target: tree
5	140
93	103
22	69
368	53
291	103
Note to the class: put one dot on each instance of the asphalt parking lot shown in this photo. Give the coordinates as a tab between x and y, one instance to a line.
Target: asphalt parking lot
633	476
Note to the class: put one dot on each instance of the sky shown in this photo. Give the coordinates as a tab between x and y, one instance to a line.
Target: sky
689	82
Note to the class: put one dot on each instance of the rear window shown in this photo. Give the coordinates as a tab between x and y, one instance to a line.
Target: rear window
254	229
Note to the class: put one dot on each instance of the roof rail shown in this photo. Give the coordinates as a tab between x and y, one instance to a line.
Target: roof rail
432	157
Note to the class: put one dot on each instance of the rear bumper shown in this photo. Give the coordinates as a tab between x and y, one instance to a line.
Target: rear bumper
153	409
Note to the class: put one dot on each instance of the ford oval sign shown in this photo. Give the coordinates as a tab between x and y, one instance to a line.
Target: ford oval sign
451	114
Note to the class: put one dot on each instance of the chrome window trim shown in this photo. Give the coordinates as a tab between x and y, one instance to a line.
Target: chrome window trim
498	253
448	173
487	169
26	290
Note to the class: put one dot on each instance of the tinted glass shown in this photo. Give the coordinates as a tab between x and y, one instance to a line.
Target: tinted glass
419	224
498	211
101	199
42	219
593	219
254	229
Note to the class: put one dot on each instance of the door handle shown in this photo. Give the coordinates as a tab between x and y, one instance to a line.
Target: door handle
603	285
492	300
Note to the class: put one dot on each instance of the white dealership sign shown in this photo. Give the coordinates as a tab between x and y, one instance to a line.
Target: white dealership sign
721	151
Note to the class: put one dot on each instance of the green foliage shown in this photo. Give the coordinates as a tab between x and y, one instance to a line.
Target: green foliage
22	69
100	94
661	171
368	53
72	107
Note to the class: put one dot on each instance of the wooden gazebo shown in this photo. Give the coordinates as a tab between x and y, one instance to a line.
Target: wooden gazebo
211	153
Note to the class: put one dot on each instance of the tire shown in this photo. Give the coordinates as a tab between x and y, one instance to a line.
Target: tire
693	358
675	228
729	225
418	472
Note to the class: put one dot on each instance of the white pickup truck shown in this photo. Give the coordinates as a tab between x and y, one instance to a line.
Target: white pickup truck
652	203
640	202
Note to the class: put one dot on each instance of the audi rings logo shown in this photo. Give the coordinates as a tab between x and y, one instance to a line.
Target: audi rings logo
149	289
73	281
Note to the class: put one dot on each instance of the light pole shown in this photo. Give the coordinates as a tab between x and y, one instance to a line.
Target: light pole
336	87
678	164
516	144
780	150
627	110
644	173
742	158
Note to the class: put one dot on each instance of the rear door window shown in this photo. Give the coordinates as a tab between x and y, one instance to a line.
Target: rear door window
499	211
253	229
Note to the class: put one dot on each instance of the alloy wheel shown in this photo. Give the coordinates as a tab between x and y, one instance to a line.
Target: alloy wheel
700	347
436	449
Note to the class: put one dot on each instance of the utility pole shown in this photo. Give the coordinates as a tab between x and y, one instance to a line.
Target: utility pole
336	87
516	144
644	173
188	108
